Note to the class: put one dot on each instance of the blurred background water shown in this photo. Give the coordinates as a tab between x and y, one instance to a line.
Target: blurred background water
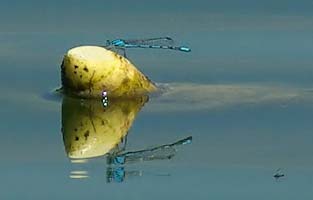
243	51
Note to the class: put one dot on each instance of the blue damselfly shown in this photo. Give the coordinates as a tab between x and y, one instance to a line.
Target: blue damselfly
151	43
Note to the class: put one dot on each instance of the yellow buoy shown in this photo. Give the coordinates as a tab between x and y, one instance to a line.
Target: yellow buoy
89	70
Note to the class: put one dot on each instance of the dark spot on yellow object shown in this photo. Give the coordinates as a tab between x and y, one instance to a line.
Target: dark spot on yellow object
86	135
102	76
125	110
75	129
90	81
125	81
81	76
75	72
86	69
75	66
76	138
80	87
140	84
125	125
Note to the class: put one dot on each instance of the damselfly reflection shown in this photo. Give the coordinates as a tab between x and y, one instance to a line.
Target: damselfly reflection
119	174
161	152
116	171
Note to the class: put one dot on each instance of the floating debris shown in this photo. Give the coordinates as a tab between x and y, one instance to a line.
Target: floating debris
278	174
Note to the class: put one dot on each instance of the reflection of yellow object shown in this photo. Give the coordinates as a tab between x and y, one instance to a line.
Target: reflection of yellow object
89	70
90	130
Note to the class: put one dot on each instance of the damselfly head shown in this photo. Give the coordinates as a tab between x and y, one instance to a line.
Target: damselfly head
118	43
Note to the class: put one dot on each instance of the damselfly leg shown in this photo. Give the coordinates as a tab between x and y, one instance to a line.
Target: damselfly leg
118	50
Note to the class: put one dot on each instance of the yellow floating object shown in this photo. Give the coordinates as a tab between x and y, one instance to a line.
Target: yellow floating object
89	70
90	130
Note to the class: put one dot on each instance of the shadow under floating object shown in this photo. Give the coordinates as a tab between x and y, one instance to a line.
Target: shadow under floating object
90	130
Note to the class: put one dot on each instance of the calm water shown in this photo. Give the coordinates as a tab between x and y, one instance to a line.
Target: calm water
244	93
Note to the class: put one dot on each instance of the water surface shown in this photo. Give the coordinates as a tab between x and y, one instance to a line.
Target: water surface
243	93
